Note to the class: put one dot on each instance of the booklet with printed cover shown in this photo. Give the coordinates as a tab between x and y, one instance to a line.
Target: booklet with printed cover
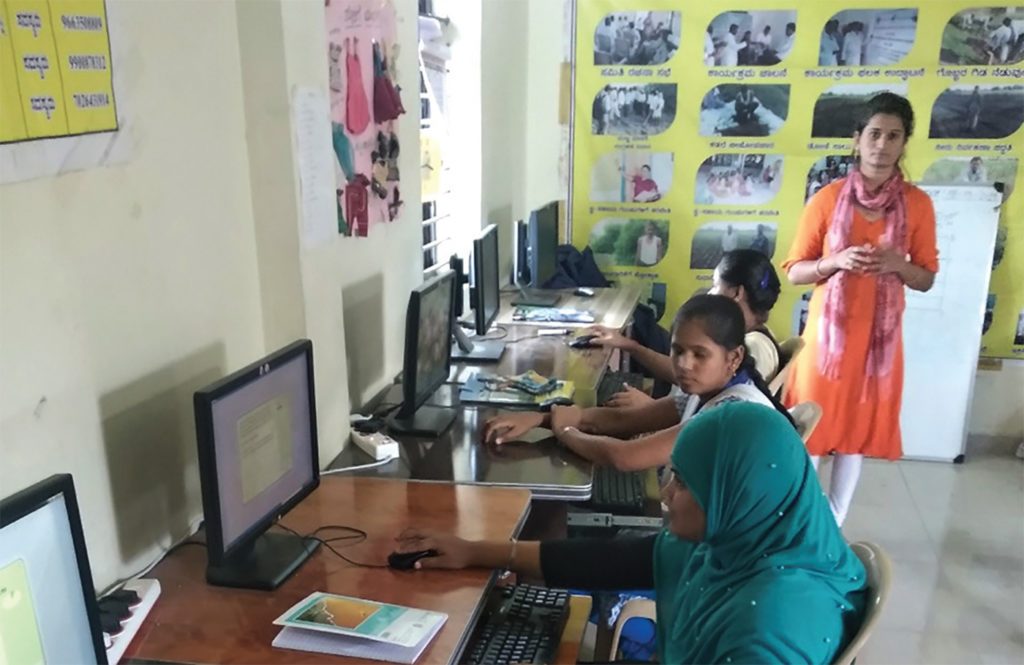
346	626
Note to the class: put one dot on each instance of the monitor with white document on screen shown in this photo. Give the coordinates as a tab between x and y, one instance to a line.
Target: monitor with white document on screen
256	433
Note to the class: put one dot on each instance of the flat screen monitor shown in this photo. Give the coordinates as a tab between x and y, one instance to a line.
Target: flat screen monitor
428	333
48	609
543	244
521	255
257	441
486	291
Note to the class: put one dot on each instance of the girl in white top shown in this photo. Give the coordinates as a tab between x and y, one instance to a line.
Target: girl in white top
711	366
747	277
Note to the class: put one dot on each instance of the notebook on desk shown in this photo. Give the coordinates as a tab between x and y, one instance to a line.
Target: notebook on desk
346	626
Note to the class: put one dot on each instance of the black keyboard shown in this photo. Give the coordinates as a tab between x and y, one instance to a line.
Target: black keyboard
618	492
615	382
521	624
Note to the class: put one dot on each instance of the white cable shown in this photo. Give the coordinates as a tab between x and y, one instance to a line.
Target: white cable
360	467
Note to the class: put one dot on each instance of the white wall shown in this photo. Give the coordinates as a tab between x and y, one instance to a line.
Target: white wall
124	289
542	178
504	47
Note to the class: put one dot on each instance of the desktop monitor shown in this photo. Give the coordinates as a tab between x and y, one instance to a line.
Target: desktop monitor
428	333
543	244
486	291
457	266
256	433
485	299
536	257
521	253
48	609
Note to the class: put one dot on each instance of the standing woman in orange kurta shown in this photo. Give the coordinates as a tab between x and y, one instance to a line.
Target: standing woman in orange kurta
860	241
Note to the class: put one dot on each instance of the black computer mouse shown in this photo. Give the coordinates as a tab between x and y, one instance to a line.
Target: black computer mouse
584	342
406	560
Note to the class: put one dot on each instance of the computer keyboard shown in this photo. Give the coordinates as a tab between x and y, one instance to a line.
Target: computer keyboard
615	382
618	492
521	624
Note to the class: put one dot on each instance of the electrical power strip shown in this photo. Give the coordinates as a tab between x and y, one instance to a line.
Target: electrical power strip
149	591
377	445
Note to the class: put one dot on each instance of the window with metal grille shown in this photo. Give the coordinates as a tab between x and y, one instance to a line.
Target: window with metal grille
434	139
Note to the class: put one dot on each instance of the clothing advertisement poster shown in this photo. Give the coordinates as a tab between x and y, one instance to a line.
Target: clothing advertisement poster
365	106
698	129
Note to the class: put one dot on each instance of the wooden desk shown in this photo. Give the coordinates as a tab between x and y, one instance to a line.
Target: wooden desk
612	307
193	622
572	634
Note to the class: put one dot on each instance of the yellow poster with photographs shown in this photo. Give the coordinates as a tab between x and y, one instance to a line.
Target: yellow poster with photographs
701	127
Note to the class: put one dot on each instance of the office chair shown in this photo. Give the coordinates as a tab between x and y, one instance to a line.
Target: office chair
879	568
637	608
807	416
788	351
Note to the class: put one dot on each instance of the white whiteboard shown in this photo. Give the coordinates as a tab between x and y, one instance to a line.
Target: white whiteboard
942	328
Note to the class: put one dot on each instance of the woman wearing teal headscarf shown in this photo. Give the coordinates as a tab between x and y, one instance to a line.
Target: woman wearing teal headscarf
752	567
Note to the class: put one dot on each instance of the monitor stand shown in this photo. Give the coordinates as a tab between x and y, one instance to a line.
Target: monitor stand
264	565
481	351
430	421
535	298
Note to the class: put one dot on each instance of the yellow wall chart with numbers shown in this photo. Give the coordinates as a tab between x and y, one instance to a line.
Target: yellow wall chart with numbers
55	69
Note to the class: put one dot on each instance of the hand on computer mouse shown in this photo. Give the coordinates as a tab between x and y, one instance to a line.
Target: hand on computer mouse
409	560
583	342
452	552
609	337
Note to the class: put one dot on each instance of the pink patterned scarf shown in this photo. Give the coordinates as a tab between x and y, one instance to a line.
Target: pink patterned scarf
885	330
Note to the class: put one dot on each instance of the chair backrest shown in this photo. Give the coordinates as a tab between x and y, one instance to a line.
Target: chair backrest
879	569
788	351
879	584
636	608
807	415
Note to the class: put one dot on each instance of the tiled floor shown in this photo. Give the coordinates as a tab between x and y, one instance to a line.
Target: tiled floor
955	534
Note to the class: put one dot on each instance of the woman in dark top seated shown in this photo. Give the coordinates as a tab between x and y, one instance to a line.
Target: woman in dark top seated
752	567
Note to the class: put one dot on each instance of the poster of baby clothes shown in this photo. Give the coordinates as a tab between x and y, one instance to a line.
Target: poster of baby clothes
365	106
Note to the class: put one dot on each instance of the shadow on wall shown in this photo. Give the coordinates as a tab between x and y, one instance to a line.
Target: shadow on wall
364	336
150	442
502	218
